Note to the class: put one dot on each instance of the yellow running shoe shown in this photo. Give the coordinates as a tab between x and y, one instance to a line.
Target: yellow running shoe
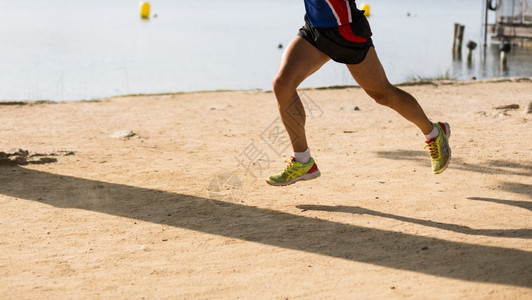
439	150
295	171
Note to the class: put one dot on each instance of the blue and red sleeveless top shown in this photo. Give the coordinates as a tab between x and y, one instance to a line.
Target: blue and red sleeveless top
333	13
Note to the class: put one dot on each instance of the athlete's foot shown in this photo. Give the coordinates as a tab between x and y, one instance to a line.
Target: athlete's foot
439	149
295	171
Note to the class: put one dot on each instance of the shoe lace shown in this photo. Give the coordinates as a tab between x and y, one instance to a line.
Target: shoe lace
433	149
289	163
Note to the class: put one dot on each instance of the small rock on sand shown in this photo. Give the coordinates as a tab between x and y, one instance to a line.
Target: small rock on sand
122	134
511	106
349	107
528	108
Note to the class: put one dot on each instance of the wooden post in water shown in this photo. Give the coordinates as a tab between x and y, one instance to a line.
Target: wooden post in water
504	48
470	47
458	38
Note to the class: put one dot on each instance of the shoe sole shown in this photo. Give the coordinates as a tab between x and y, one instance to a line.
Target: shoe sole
445	126
310	176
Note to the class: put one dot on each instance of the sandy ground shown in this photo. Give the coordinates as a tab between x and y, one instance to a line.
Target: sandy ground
181	210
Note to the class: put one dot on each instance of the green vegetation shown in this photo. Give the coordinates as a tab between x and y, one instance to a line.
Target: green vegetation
438	77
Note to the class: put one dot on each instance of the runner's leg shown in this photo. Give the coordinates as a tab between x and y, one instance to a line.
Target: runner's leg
370	75
299	61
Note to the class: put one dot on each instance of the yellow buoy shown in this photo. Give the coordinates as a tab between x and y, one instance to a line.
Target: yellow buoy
365	8
144	9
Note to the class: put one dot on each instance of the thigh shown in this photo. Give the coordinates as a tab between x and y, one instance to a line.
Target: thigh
300	60
369	74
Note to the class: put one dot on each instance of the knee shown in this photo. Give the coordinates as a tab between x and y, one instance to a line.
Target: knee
283	84
279	84
379	97
384	96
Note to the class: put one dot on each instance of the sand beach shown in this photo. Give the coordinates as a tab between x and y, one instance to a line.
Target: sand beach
163	197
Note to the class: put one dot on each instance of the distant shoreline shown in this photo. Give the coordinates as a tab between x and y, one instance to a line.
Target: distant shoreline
330	87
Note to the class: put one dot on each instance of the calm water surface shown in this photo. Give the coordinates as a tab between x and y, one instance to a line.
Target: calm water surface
72	49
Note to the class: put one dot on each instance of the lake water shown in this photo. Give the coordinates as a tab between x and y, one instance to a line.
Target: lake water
71	49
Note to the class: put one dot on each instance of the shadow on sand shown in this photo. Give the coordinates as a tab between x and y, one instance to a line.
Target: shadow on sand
432	256
510	233
489	167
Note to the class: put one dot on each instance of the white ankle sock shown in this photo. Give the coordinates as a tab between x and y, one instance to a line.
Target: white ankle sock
433	134
302	157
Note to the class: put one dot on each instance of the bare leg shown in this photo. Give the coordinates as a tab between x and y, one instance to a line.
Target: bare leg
371	77
300	60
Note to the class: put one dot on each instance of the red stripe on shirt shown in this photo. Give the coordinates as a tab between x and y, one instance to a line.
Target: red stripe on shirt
347	33
342	13
341	10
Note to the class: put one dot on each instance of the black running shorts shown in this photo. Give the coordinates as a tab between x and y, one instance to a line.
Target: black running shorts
336	45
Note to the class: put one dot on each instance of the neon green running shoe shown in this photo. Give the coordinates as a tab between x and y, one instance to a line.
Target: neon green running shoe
295	171
439	150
